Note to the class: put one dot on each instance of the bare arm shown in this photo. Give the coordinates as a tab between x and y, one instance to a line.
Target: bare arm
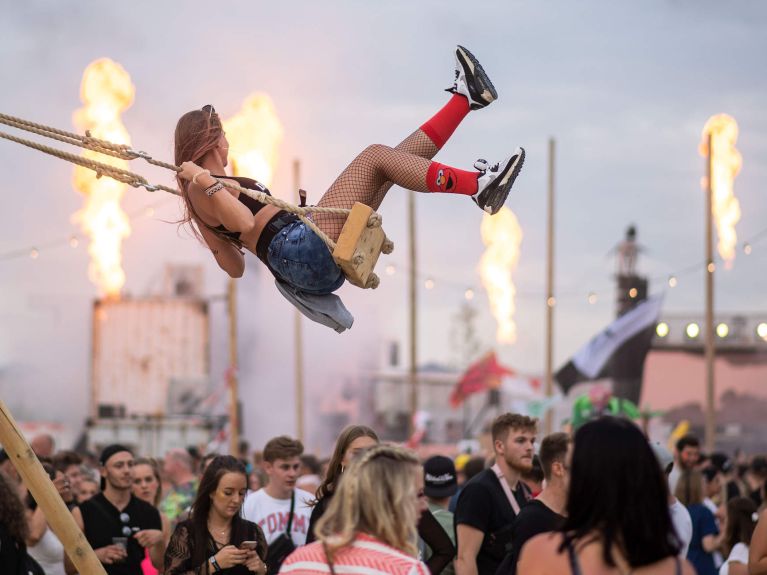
37	526
711	543
757	553
469	540
229	258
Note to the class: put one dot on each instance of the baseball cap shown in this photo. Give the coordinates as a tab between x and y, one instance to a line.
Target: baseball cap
439	477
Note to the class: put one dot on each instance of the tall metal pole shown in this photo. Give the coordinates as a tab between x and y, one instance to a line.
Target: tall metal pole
234	397
710	438
550	301
298	345
412	366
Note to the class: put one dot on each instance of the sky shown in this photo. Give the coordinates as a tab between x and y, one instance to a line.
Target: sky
624	89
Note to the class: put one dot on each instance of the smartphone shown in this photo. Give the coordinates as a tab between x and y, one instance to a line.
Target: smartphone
251	545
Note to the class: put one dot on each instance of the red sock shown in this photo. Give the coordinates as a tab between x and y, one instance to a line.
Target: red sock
449	180
443	123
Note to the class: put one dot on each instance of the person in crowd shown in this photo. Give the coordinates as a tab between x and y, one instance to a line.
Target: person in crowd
471	467
256	479
756	476
726	469
205	461
309	475
440	484
687	456
42	543
7	468
546	512
712	496
178	468
70	463
14	529
534	478
216	538
370	524
281	509
740	522
757	552
351	443
680	517
88	488
146	486
616	517
43	445
118	525
706	537
491	501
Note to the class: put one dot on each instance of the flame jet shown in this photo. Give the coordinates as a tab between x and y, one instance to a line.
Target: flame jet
726	162
106	91
502	235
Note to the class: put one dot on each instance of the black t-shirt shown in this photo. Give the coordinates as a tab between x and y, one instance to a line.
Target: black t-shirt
483	505
103	521
533	520
11	553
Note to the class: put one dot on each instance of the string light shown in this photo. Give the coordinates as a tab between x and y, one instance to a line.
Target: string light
747	249
429	283
34	253
551	302
672	281
633	293
469	294
390	270
592	299
711	267
74	242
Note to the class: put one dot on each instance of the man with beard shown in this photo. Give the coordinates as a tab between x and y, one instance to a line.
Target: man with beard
118	525
491	501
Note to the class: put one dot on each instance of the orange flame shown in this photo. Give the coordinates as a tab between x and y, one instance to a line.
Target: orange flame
725	165
502	235
254	135
106	91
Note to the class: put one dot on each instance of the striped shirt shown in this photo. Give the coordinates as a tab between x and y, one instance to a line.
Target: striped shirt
365	556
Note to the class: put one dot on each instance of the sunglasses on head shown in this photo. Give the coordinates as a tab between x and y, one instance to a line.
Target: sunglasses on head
209	109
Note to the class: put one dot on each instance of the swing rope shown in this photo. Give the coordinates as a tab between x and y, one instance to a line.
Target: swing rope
125	152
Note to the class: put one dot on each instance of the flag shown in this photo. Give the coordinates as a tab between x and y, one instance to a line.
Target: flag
484	374
617	353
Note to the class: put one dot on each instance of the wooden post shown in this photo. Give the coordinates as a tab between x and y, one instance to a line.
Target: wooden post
710	352
298	345
234	395
413	360
42	489
550	301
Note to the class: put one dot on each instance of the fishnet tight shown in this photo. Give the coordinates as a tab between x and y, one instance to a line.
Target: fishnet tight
373	173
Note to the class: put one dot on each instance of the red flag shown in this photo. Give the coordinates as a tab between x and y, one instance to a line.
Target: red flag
484	374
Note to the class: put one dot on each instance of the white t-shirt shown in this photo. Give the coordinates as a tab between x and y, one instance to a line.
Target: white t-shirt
739	553
272	514
682	521
49	553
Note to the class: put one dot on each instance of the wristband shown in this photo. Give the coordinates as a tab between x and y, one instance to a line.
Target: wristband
216	566
214	188
198	174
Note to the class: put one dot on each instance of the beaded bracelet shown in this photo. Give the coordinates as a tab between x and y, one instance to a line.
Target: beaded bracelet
198	174
214	188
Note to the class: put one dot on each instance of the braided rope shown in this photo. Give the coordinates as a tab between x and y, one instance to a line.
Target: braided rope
124	152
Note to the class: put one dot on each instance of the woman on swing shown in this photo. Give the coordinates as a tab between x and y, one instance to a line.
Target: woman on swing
229	220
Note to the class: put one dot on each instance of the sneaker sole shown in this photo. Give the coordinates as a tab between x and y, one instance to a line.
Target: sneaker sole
470	63
497	197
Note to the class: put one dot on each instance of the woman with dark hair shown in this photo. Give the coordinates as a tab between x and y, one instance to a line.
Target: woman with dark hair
42	543
147	485
618	519
350	443
229	221
739	528
706	537
215	538
13	529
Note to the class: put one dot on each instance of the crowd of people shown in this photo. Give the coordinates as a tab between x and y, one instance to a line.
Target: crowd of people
602	499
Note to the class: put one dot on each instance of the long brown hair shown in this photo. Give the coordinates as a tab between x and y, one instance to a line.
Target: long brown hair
343	442
12	512
741	521
689	487
197	133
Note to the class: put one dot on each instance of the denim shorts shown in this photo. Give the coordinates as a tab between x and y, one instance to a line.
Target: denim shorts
298	256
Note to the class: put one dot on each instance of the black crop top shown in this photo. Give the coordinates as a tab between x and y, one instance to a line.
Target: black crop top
253	205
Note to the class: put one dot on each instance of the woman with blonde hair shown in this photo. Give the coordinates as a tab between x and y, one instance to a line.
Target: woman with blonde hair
370	525
147	485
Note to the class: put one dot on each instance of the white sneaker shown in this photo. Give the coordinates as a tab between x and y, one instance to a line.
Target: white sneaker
471	80
494	182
